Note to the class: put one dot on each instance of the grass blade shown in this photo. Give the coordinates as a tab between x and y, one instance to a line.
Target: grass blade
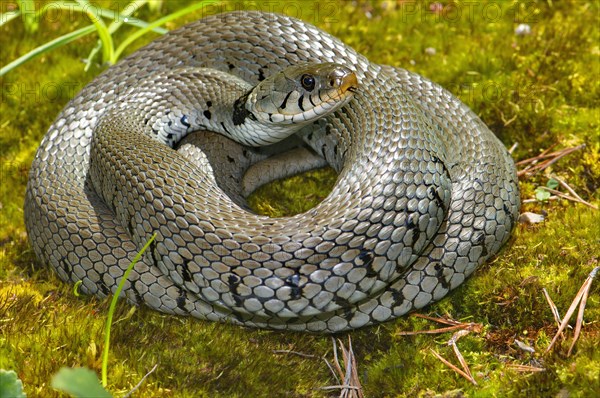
30	19
58	42
113	305
108	47
118	21
136	35
8	16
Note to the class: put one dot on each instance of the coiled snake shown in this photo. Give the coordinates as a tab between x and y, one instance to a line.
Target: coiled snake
425	192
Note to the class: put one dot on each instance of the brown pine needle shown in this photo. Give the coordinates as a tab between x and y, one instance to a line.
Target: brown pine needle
553	307
567	187
300	354
453	367
445	321
348	378
524	368
461	359
456	325
579	323
567	197
581	300
461	329
545	159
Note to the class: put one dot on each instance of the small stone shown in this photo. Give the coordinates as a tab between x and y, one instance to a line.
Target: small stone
522	29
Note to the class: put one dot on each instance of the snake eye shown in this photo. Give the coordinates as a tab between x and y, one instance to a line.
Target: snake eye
308	82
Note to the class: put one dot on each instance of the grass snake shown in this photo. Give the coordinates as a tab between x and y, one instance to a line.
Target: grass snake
425	191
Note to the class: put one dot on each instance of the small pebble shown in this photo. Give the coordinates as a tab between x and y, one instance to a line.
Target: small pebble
523	29
531	218
524	346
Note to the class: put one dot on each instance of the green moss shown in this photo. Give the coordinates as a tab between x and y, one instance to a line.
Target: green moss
538	90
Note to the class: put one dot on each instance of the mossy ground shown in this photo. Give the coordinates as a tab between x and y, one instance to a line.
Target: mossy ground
538	90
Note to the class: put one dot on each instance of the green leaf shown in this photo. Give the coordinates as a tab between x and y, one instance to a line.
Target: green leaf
552	183
10	385
541	194
79	382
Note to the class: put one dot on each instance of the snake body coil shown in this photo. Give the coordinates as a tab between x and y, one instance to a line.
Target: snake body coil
425	192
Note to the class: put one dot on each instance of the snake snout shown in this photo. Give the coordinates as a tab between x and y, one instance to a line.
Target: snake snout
346	80
343	78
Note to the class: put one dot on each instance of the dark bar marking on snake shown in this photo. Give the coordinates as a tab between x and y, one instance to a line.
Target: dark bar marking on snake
136	292
293	281
397	296
439	273
285	100
432	193
300	104
261	75
508	213
154	253
66	267
207	114
412	226
185	271
181	299
224	128
345	306
366	257
438	160
479	240
105	290
234	281
131	226
240	113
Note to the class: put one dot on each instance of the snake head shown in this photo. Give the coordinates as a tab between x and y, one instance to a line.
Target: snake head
303	93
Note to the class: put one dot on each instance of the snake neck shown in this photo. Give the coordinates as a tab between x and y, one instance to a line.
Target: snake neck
204	99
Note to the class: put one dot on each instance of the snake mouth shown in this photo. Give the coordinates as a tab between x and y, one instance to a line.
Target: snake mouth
349	82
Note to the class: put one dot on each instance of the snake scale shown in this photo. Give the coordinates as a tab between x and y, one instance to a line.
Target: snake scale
425	191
